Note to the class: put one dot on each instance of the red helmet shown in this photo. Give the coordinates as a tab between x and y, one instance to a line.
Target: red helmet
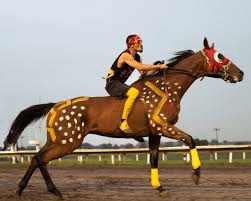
134	39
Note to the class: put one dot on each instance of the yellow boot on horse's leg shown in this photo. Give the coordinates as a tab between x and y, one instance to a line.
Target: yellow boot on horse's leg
132	94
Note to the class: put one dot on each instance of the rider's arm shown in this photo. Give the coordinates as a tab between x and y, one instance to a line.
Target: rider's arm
128	58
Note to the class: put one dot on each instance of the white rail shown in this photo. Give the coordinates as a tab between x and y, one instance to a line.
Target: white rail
185	150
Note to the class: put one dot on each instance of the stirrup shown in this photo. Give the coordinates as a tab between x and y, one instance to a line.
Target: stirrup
124	126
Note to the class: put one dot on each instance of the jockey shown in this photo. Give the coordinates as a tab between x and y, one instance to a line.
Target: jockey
120	71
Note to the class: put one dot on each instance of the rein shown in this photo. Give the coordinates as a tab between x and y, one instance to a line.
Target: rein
223	71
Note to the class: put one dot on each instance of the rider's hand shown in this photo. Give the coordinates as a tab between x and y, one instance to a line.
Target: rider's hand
162	66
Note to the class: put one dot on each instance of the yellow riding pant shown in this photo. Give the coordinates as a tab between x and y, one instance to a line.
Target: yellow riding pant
132	94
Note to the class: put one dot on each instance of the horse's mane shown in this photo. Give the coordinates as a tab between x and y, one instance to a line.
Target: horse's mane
179	56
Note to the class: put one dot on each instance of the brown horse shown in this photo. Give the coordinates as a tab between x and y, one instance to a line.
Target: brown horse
154	115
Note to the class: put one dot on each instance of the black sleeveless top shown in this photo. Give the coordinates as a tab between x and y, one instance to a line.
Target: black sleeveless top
122	73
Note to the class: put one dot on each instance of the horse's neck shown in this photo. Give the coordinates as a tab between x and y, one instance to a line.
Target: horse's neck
181	81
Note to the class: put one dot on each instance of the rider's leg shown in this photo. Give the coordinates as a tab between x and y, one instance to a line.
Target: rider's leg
132	94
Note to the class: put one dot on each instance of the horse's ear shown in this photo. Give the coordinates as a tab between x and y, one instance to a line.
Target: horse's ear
206	43
212	46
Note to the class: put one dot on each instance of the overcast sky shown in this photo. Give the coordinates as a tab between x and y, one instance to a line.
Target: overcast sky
52	50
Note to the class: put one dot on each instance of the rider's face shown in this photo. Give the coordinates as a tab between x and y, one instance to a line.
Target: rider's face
138	47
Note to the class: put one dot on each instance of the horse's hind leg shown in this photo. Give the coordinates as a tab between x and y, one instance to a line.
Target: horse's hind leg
23	183
51	152
171	131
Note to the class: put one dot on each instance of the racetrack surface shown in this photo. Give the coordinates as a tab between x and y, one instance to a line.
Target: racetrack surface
122	183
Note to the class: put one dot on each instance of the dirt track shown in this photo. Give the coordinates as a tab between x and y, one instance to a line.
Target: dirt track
229	182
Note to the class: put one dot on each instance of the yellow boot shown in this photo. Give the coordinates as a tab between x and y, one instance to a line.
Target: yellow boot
132	94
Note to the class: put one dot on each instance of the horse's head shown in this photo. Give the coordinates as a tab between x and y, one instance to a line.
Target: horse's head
219	66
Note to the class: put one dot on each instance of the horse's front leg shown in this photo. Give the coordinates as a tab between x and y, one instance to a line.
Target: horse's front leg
171	131
154	142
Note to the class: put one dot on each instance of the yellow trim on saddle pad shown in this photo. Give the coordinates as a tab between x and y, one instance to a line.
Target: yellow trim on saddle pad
155	178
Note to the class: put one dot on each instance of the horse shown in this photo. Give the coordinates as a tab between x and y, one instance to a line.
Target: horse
154	114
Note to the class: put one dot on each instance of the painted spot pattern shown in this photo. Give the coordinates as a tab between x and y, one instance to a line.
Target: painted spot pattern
68	125
156	96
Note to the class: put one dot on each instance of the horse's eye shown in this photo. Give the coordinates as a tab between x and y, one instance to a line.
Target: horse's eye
218	57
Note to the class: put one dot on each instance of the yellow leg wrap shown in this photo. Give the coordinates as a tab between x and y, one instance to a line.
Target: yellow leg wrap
132	95
195	159
155	178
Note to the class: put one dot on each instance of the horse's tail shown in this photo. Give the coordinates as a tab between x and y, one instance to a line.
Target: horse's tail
25	117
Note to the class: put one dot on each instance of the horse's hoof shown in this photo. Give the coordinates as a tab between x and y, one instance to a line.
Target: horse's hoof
196	178
56	192
162	192
19	191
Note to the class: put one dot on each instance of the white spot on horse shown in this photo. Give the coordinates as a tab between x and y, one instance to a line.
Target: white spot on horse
156	100
149	111
60	128
169	94
164	118
170	129
147	97
65	133
147	101
76	121
151	105
150	92
153	95
79	136
160	134
157	81
174	99
144	93
163	83
144	88
162	88
83	124
67	117
78	128
175	92
64	111
175	83
161	114
151	121
63	141
82	107
149	116
179	87
170	101
158	128
69	125
153	124
74	107
72	132
61	118
167	83
79	114
169	87
72	113
56	123
173	132
70	140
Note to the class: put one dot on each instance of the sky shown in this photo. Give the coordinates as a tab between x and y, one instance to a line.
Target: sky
53	50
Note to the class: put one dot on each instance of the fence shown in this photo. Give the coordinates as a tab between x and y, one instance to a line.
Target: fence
163	150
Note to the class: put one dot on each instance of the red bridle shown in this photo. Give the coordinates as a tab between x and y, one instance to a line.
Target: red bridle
215	60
